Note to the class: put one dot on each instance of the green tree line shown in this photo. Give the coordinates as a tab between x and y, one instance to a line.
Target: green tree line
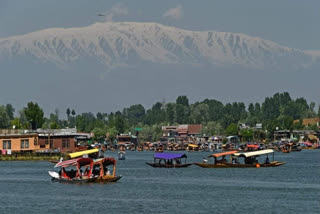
217	118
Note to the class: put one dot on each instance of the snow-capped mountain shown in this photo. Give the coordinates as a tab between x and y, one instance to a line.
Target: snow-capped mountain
127	43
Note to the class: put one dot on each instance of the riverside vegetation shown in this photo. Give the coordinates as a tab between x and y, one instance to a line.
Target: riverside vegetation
217	118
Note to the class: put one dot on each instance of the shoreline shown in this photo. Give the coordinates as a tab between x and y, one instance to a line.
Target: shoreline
29	158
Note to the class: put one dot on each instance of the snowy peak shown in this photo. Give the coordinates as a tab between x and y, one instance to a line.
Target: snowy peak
126	43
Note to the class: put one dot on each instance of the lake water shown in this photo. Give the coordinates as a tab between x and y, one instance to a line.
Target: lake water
25	187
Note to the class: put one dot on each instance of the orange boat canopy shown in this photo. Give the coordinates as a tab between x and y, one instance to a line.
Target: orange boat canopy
223	154
252	146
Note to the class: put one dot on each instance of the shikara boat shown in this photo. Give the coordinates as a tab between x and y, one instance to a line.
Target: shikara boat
100	169
219	160
249	159
169	160
121	155
71	171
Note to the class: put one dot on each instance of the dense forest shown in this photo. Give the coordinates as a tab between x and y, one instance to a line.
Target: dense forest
278	111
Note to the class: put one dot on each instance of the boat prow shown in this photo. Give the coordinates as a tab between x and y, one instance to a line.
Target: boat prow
54	175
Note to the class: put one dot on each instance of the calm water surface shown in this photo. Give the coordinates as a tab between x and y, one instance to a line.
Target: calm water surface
25	187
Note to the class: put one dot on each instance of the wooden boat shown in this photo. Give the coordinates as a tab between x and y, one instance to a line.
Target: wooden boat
100	169
121	155
249	160
159	149
218	163
192	147
169	160
68	175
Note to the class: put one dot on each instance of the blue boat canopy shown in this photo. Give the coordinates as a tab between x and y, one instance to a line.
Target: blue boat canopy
169	156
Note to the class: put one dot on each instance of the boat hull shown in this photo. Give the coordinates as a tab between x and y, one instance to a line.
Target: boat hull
107	179
271	164
230	165
156	165
210	165
55	177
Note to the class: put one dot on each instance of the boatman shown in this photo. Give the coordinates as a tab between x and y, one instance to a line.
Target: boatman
205	160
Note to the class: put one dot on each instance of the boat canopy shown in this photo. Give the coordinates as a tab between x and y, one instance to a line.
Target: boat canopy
84	161
106	161
80	154
223	154
169	156
73	162
252	146
256	153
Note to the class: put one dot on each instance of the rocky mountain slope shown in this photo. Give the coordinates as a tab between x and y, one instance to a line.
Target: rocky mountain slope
124	44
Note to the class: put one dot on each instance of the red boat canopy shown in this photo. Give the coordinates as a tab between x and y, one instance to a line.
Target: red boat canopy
107	161
67	163
223	154
78	161
84	161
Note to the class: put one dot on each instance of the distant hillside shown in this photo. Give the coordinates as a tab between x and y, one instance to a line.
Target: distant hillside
128	43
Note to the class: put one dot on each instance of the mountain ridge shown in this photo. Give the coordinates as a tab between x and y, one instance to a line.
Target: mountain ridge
117	44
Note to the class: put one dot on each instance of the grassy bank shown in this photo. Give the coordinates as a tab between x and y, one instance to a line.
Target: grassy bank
27	158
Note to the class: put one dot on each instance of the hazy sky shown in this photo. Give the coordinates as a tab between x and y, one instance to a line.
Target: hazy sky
294	23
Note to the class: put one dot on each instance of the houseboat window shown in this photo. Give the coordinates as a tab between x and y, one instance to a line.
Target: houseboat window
47	141
7	144
24	144
65	143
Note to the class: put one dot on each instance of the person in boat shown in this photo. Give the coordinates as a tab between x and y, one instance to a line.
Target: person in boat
107	172
101	153
224	160
86	172
234	160
72	173
248	160
267	160
205	160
